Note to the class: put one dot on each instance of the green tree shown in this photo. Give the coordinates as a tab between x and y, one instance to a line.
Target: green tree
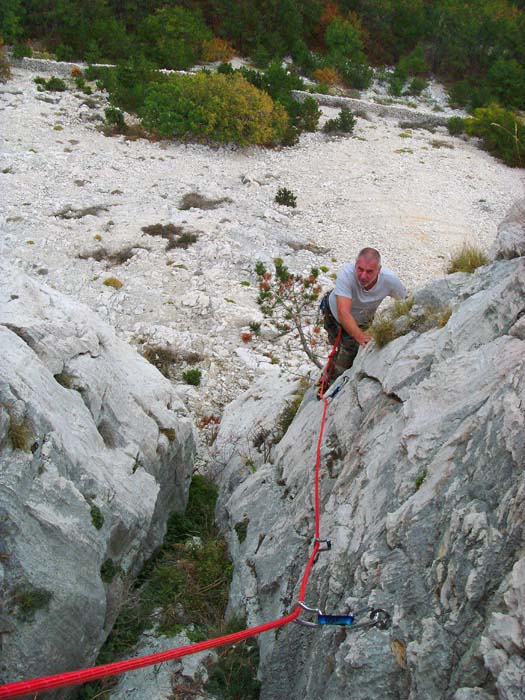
343	39
172	37
11	14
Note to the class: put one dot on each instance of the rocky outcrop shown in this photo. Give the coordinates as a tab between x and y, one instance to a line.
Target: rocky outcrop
96	450
423	497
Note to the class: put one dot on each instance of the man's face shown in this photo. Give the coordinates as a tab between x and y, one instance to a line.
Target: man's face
366	271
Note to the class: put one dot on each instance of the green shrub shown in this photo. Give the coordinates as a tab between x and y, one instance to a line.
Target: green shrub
97	517
213	107
21	51
467	259
305	115
417	85
456	126
115	118
344	123
192	376
64	53
241	529
127	83
414	63
52	85
225	69
396	85
502	132
109	570
506	82
356	74
420	479
286	197
460	93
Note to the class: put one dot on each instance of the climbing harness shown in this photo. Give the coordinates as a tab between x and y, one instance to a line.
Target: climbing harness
376	616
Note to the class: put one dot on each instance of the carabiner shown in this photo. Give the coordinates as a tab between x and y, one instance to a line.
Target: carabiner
377	617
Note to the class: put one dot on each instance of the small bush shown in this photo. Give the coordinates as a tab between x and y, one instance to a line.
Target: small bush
287	415
420	479
396	86
183	241
242	529
20	435
286	197
63	52
327	76
383	330
192	376
194	200
342	124
97	517
113	282
217	50
109	570
503	133
456	126
21	51
416	86
52	85
305	115
115	118
467	259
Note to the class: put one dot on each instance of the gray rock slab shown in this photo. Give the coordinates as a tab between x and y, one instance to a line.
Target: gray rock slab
96	450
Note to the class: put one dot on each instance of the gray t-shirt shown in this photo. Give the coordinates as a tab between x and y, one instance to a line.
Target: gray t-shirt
365	302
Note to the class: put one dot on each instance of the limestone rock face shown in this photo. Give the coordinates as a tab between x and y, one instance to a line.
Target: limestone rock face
95	451
423	498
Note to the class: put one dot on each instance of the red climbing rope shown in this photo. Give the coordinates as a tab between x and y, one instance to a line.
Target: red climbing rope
21	688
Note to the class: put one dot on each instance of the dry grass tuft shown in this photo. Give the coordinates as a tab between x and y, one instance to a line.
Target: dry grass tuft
162	357
194	200
467	259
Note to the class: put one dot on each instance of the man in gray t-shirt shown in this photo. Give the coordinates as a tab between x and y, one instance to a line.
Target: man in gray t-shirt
359	289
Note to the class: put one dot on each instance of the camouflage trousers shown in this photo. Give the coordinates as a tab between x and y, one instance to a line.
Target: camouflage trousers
347	350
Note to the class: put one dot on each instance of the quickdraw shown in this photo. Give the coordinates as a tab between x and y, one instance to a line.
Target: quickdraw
377	617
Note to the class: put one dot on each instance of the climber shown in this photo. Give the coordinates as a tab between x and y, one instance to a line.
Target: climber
359	289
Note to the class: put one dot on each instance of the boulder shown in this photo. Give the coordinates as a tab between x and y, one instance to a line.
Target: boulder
96	450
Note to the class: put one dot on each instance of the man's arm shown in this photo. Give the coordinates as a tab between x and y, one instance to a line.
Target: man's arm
344	312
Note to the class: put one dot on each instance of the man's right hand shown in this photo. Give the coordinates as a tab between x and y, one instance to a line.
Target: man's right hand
363	339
